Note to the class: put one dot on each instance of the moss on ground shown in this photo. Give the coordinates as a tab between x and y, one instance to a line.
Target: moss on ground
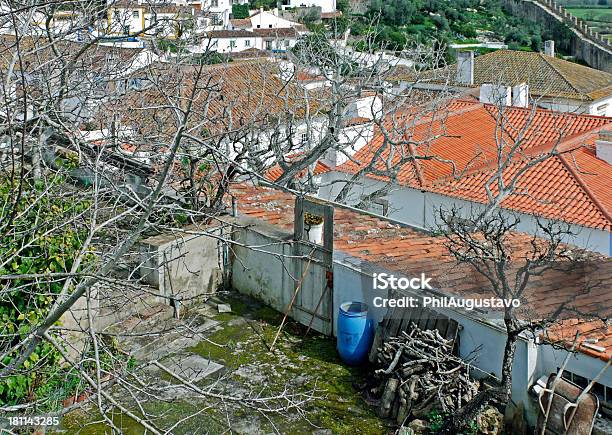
313	360
167	413
303	363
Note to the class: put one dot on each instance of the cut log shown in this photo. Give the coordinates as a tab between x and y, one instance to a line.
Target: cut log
388	398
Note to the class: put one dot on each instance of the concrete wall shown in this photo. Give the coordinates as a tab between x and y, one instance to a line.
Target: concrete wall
261	267
353	282
484	337
182	266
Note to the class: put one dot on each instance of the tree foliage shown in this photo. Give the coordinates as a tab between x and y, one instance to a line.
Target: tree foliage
240	11
49	250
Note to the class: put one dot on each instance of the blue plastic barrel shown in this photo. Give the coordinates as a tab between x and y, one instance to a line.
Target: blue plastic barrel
355	332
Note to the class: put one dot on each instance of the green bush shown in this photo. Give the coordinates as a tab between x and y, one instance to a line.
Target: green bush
240	11
50	248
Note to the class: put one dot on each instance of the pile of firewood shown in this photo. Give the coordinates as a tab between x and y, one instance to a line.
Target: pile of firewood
418	373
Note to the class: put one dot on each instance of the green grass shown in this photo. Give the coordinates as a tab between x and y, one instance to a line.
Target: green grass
592	14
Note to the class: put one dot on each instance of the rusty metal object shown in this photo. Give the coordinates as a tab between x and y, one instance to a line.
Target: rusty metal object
565	394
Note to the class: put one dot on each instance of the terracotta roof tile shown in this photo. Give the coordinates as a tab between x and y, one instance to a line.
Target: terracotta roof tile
283	32
241	23
546	75
571	187
409	251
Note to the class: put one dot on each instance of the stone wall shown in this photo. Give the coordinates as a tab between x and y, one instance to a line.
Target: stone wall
583	43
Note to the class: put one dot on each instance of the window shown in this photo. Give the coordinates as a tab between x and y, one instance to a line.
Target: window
116	15
214	3
269	26
216	19
247	43
268	45
233	43
258	26
304	137
126	30
604	393
286	42
136	14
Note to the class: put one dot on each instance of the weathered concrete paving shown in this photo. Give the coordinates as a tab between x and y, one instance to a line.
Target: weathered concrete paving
230	350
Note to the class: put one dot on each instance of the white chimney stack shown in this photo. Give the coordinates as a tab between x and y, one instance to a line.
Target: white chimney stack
603	146
498	95
549	48
465	67
520	95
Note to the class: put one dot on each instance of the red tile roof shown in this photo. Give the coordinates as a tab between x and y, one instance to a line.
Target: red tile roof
573	187
281	32
276	171
409	251
594	335
547	76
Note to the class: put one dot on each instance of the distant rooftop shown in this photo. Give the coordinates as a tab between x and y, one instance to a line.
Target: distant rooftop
408	251
573	187
546	75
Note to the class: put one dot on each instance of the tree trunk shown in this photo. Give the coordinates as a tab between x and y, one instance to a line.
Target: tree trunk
502	394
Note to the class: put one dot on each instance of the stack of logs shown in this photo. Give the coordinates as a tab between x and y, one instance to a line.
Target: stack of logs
419	374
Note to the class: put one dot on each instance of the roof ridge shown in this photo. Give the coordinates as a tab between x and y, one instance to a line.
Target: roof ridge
572	170
546	59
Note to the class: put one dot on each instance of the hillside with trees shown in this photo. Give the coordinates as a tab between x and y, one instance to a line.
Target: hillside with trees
403	22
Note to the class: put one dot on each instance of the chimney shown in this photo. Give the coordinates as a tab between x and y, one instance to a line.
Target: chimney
549	48
465	67
498	95
520	95
603	145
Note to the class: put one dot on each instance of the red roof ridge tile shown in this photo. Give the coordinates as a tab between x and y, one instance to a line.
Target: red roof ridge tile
570	167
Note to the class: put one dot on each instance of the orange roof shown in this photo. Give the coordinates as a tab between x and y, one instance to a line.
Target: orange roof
573	187
276	171
409	251
595	336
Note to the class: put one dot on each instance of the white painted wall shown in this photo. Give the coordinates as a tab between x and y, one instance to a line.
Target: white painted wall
267	20
419	208
325	5
121	19
353	282
224	45
601	107
370	107
352	138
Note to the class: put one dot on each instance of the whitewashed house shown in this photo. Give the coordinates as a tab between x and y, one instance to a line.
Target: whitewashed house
572	187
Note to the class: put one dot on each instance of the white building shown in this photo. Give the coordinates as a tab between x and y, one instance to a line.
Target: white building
263	30
229	41
325	5
138	18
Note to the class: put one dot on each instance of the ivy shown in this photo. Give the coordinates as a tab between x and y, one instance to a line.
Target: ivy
40	236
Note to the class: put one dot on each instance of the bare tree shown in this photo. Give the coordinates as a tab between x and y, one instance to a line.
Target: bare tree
514	265
103	146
